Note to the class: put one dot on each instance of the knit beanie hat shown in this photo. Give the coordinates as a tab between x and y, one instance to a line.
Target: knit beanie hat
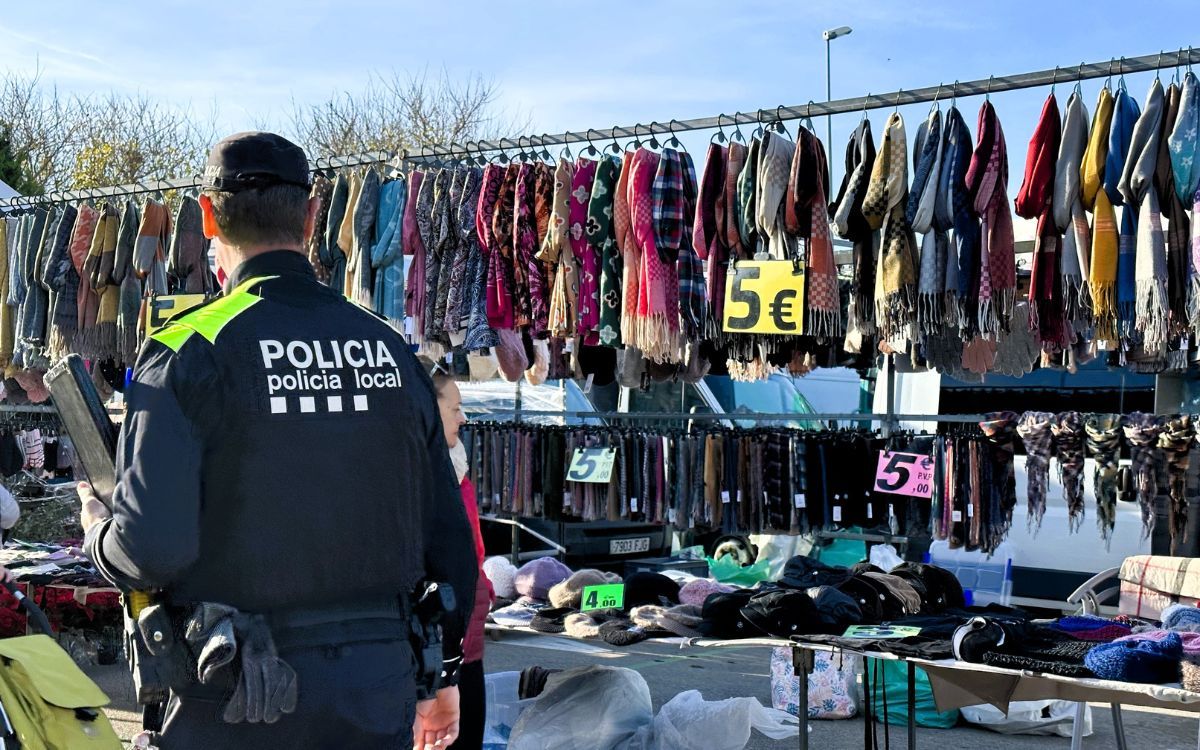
536	577
551	619
622	633
1181	617
1138	659
581	625
694	592
645	587
1190	673
503	575
569	593
1091	628
1189	641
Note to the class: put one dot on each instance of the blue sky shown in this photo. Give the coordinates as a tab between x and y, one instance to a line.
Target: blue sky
580	65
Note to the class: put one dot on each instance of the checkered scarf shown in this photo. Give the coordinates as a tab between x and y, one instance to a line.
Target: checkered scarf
884	207
987	179
747	190
1175	442
1069	446
806	215
851	225
657	324
693	308
922	212
1035	432
1103	433
1142	432
1000	430
1178	233
774	170
667	194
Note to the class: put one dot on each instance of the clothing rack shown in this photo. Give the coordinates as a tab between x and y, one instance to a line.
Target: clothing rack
984	86
749	416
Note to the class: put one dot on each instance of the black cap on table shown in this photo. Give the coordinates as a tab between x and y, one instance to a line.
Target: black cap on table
255	160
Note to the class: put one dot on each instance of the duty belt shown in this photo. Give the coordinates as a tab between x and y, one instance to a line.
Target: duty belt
308	627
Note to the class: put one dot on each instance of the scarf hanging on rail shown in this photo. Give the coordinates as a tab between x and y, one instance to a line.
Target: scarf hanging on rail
1175	442
1150	252
1071	220
1103	433
987	180
922	214
631	253
884	208
387	257
556	253
852	225
1035	201
1178	233
693	308
1102	265
955	211
359	288
1125	116
602	241
502	218
1035	432
806	214
584	252
531	178
1000	431
655	190
708	239
1184	141
315	247
97	337
129	305
471	312
335	256
1142	432
414	247
1069	447
774	170
747	190
60	278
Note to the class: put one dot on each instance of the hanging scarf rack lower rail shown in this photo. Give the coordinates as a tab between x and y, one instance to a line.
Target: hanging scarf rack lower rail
984	86
738	416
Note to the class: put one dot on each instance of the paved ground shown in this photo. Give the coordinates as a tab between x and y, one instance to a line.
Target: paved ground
728	673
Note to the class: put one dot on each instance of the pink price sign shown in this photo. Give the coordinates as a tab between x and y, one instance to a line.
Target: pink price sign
904	474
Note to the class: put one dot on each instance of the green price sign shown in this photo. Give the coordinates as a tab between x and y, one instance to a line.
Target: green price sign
608	596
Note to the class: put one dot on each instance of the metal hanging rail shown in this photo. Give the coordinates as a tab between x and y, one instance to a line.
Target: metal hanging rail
739	416
944	90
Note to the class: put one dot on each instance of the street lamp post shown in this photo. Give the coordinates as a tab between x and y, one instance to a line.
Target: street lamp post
829	36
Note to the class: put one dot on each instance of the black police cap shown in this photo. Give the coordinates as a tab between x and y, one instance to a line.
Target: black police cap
255	160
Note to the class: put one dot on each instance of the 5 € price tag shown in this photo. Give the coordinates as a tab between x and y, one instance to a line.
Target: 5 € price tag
592	465
765	296
904	474
608	596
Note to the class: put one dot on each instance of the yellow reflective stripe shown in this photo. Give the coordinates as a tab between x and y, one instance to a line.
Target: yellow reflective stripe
211	319
173	336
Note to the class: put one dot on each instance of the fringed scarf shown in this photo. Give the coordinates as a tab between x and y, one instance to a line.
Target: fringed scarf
584	252
1102	266
1070	448
806	214
1035	432
727	216
884	207
852	225
58	275
1071	220
188	257
1035	201
1000	428
359	286
709	236
1184	141
149	254
601	235
1137	187
747	190
631	253
693	307
1125	117
556	251
1175	442
1142	432
1103	433
100	339
987	179
774	171
130	300
921	213
955	211
1178	233
658	292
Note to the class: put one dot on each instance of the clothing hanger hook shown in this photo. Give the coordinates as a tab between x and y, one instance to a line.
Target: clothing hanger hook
898	95
807	121
866	101
719	136
616	147
1079	81
987	97
1054	81
1158	67
654	144
674	142
954	94
936	95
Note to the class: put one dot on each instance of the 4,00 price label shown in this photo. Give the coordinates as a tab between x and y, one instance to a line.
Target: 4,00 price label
904	474
607	596
592	465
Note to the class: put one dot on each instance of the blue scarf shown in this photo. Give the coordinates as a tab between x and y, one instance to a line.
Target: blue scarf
1183	139
1126	272
954	212
1125	117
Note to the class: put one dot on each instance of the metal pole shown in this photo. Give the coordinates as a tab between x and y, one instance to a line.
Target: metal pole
828	98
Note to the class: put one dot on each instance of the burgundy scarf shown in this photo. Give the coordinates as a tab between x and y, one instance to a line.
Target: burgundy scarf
1034	201
499	299
987	181
586	257
707	238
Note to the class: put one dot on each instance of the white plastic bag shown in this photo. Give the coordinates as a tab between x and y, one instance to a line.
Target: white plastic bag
591	708
688	720
1030	717
884	557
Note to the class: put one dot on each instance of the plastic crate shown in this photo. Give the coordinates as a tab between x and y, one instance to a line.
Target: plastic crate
504	707
985	580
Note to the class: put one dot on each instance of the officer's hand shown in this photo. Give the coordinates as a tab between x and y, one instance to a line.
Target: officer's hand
437	721
92	511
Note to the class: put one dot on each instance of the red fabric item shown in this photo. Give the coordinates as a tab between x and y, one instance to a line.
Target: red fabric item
484	596
1038	185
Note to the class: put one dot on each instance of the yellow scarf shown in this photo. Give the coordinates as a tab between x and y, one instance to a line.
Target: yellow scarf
1091	171
1103	276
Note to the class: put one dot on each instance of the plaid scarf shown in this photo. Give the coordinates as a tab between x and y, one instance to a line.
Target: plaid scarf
987	179
670	217
1184	140
1035	432
657	316
693	308
1175	442
1069	446
927	162
1000	430
1070	218
806	214
1142	432
727	214
851	225
1178	235
600	234
747	189
774	169
884	207
955	212
1103	432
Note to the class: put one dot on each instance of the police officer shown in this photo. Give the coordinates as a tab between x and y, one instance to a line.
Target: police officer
282	455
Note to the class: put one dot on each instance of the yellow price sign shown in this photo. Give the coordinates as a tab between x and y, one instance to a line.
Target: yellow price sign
163	307
765	296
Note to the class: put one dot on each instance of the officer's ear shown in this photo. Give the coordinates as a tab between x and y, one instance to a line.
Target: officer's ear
209	219
310	217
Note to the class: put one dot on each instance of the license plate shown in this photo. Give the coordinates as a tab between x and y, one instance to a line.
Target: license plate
629	546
